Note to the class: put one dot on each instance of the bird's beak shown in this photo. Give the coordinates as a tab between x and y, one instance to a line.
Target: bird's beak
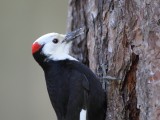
74	34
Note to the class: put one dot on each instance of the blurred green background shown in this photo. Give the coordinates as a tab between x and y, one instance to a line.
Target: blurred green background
23	94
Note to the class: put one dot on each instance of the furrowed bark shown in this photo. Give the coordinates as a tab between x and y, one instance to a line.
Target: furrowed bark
122	40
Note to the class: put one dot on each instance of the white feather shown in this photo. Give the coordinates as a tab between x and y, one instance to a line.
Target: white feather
83	114
56	57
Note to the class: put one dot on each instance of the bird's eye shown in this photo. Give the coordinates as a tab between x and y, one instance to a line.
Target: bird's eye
55	41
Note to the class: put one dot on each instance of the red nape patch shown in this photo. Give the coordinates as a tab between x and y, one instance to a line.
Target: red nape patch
35	47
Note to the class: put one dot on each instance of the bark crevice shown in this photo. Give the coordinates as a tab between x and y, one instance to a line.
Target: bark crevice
131	112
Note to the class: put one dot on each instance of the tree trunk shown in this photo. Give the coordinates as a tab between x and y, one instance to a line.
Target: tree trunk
122	40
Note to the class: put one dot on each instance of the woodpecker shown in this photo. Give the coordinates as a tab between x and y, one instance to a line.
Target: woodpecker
74	90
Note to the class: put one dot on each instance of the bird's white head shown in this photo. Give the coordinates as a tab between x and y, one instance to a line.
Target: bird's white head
55	46
52	45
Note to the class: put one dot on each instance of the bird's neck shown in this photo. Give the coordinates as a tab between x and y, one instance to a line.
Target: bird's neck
62	56
40	58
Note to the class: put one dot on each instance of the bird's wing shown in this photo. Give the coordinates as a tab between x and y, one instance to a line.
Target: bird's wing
88	75
85	83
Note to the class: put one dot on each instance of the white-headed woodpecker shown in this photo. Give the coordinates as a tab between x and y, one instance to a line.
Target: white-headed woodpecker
74	90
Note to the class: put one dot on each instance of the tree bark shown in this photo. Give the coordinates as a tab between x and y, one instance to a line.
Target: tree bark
122	40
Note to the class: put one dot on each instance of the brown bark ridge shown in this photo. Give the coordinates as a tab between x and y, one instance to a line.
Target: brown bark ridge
122	40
